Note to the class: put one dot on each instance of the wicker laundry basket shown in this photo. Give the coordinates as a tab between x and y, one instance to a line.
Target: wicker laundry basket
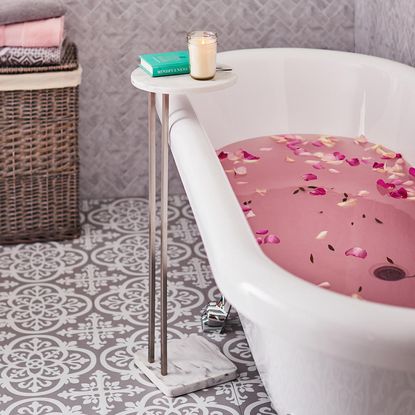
39	169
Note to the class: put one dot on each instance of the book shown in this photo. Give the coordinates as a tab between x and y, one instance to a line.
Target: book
165	64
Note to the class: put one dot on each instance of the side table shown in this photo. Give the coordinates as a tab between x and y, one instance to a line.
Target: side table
191	363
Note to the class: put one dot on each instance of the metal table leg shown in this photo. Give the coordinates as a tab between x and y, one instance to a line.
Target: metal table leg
202	364
152	222
164	220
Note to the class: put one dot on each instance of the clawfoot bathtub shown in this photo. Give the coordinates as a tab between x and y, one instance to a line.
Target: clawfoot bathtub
318	352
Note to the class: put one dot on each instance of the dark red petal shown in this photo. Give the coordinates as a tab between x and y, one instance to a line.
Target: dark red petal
377	165
353	162
339	156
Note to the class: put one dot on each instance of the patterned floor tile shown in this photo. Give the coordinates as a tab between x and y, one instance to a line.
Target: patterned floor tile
72	314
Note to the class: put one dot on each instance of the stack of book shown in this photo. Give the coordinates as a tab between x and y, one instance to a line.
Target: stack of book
165	64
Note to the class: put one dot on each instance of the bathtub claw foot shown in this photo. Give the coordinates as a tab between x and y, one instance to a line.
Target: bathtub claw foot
215	314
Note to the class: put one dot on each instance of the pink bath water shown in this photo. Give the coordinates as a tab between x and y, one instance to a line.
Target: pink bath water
337	212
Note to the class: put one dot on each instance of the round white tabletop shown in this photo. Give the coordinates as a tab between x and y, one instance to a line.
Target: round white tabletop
181	84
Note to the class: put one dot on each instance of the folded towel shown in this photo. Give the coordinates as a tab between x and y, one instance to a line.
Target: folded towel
17	11
13	56
38	34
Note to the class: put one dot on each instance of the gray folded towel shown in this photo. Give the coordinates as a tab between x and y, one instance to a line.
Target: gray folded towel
17	11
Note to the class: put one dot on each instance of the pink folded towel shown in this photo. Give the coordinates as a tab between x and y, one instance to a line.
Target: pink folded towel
37	34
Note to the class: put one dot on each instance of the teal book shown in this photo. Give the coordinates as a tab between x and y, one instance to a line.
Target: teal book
165	64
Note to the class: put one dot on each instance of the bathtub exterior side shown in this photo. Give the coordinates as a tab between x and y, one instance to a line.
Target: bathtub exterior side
302	381
305	330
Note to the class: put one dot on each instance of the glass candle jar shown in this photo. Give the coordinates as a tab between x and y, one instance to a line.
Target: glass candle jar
202	54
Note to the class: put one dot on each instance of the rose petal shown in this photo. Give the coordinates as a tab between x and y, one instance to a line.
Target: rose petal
335	162
377	165
347	203
272	239
246	208
294	137
318	166
260	241
339	156
361	140
318	192
223	155
233	157
382	183
356	252
401	193
240	171
309	176
249	156
327	141
317	143
261	192
322	235
324	284
412	171
293	145
261	231
353	162
299	151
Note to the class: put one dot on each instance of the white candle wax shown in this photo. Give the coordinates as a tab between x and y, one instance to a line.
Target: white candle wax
202	55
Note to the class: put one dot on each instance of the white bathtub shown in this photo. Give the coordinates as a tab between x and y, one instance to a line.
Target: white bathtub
318	352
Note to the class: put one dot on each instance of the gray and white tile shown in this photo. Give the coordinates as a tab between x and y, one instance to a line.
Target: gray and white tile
72	315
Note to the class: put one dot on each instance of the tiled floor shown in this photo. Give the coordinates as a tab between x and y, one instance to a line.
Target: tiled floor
72	314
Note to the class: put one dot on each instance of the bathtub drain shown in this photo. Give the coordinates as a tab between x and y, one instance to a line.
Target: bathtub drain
389	273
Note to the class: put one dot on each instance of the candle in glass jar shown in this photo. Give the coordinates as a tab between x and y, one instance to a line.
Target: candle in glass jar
202	54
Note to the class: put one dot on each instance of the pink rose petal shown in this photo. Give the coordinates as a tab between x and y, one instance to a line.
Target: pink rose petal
377	165
293	146
339	156
249	156
240	171
298	151
272	239
246	209
325	284
317	143
260	241
318	192
318	166
223	155
412	171
401	193
261	231
309	176
356	252
353	162
385	185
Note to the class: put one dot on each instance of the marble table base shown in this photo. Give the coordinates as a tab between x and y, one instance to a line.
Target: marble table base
193	364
